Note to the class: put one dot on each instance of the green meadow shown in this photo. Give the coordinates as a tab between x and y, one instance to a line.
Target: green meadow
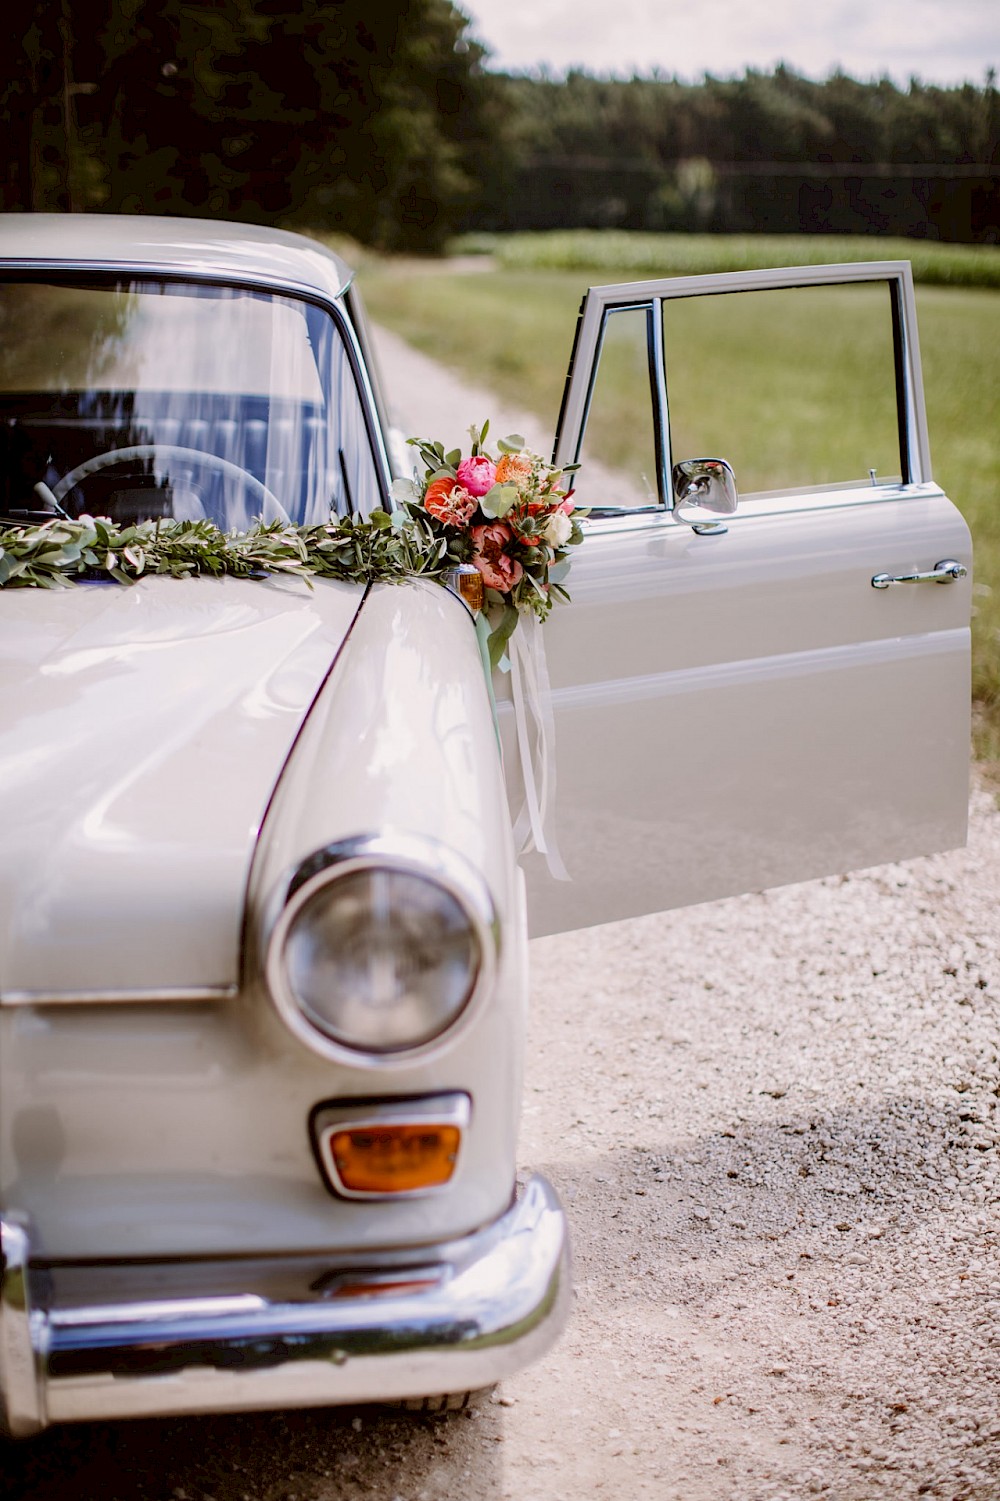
629	254
511	330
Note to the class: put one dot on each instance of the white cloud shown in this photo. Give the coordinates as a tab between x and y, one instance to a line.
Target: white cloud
941	43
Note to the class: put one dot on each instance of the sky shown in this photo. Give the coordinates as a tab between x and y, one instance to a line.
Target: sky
938	41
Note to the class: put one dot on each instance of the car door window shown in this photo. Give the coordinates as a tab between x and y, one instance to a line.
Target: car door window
805	381
619	464
794	386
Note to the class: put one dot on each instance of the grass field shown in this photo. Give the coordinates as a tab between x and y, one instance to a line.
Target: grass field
628	254
512	331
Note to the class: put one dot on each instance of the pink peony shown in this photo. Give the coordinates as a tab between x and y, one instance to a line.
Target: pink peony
477	474
499	571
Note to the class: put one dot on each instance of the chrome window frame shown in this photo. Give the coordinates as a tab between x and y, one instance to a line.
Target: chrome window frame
601	301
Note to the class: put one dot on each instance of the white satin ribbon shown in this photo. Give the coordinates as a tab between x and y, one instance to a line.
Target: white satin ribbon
534	824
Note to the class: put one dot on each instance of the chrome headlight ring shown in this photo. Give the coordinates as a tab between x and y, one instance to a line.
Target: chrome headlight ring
417	888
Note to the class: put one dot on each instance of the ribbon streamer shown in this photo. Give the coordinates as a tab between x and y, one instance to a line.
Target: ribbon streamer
536	743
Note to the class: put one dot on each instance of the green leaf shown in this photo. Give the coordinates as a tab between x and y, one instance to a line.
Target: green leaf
498	501
501	634
380	520
454	458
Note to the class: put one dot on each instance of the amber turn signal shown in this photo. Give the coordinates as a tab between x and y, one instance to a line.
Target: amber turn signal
467	582
391	1159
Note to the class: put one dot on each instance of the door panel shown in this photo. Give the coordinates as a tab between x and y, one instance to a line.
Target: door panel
740	710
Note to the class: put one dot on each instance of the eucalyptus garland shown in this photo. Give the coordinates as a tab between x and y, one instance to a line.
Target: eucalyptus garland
376	548
508	515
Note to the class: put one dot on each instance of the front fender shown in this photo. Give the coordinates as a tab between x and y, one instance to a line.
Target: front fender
402	739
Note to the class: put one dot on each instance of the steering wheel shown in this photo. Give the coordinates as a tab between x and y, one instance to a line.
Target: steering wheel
273	510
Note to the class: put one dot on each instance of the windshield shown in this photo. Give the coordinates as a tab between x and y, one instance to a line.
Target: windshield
143	399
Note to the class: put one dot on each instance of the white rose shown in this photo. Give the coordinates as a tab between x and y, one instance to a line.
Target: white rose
557	529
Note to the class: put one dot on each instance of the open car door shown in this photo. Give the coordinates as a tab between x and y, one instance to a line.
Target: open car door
781	692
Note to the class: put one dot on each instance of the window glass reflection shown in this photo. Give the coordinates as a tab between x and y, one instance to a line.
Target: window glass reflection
795	386
206	402
618	456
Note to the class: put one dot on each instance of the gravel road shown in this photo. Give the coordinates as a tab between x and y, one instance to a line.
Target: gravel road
774	1121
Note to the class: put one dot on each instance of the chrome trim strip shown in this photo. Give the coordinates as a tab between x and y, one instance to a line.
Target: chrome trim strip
154	1311
116	997
762	503
452	1109
782	666
454	1317
758	279
415	854
918	442
20	1396
662	441
170	270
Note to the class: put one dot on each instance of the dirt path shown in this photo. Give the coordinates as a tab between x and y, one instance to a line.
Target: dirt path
774	1122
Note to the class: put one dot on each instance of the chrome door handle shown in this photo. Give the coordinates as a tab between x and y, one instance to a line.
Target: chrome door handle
944	572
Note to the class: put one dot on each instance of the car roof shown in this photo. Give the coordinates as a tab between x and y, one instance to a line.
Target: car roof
199	247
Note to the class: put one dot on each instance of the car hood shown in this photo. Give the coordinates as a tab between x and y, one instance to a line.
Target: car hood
142	732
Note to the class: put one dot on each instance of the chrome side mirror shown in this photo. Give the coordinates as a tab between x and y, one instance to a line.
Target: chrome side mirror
709	484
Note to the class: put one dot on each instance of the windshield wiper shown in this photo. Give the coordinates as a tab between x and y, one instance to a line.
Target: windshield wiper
48	509
29	515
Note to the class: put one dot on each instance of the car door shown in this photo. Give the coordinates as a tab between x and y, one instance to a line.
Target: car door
749	699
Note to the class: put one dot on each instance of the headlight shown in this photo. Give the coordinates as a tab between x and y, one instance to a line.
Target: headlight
380	946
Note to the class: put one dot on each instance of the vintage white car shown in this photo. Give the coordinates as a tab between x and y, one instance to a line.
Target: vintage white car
263	931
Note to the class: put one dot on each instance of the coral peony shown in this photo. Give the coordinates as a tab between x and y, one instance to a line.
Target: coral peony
477	474
449	502
499	571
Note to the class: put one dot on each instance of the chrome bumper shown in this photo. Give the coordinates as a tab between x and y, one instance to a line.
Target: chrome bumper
117	1341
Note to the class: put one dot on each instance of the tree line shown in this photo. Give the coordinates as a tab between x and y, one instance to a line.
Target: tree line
385	122
768	151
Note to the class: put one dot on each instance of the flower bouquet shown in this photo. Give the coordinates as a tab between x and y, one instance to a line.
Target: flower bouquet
509	515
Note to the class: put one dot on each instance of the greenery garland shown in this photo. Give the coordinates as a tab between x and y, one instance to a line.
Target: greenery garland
356	549
508	517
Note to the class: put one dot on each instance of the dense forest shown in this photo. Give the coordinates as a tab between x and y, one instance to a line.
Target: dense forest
385	122
373	119
773	152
